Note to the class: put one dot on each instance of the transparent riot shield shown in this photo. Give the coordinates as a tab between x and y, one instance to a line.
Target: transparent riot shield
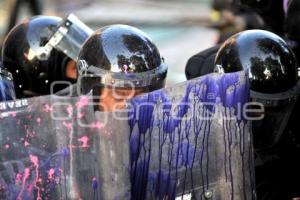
190	141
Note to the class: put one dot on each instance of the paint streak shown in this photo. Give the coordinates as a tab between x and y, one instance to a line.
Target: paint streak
25	177
179	149
35	161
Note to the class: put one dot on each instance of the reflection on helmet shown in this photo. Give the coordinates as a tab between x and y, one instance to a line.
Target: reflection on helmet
120	56
7	91
273	74
30	54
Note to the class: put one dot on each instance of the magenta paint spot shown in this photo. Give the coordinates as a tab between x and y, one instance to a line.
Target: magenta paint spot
80	115
96	125
84	140
51	174
6	146
13	114
30	134
25	177
26	144
83	101
18	178
34	160
125	68
47	108
70	111
38	120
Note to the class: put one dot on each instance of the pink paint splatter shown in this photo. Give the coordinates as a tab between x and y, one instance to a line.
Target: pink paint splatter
84	140
96	125
47	108
13	114
125	68
83	101
69	126
51	174
26	144
38	120
6	146
18	178
80	115
25	177
30	134
70	111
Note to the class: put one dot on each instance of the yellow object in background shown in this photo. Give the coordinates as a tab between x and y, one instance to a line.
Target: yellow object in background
215	15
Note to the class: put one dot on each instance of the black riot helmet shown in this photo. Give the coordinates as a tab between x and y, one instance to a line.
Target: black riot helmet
120	56
7	91
273	74
35	52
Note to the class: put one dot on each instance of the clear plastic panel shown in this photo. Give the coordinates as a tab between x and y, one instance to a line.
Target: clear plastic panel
73	39
167	144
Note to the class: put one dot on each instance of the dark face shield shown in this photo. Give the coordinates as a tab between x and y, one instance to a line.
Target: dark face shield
68	38
7	91
277	110
90	76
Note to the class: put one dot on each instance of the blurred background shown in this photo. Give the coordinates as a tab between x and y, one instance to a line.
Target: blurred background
179	28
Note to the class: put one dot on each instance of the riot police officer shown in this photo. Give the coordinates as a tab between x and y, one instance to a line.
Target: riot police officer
272	14
274	83
117	63
42	50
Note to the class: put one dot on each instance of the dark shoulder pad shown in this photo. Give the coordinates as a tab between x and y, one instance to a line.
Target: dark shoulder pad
202	63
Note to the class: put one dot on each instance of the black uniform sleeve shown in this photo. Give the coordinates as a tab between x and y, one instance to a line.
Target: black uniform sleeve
202	63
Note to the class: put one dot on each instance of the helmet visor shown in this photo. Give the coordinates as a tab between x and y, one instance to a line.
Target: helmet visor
76	33
68	38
